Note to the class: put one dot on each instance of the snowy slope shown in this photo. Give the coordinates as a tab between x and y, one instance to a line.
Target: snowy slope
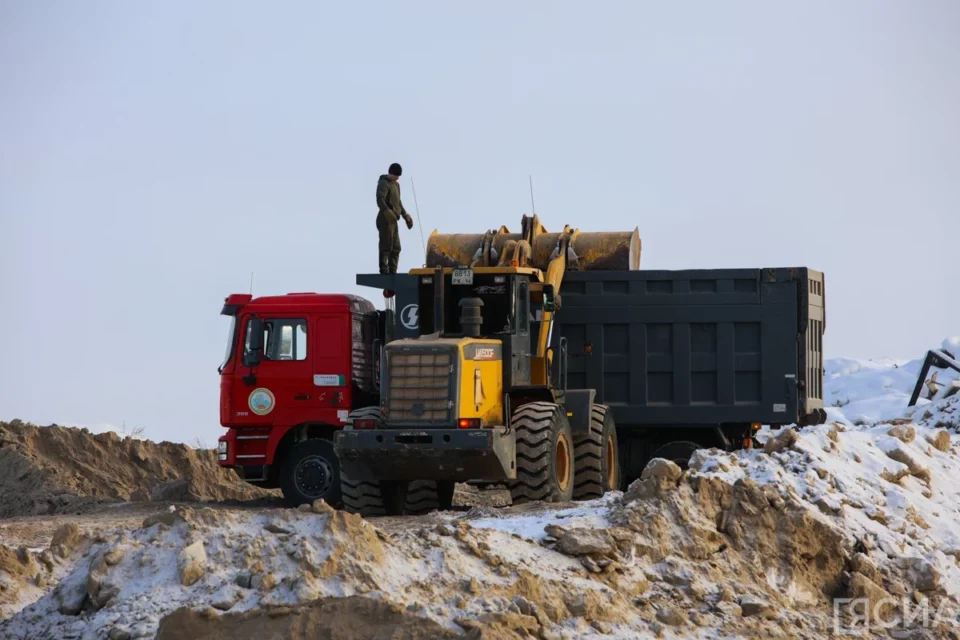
863	392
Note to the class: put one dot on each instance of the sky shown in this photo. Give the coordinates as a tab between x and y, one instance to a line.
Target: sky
153	155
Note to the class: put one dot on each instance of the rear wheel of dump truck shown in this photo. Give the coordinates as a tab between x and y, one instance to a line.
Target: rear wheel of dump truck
310	471
677	452
596	457
545	468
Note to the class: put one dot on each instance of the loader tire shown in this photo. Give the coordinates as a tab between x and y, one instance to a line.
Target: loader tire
424	496
362	497
545	469
364	412
596	457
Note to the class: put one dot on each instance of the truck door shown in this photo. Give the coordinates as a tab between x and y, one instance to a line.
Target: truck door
331	365
283	387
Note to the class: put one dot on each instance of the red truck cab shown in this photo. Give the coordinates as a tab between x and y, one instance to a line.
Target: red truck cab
296	366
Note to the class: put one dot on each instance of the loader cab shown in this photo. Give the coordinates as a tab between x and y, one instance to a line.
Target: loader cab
511	299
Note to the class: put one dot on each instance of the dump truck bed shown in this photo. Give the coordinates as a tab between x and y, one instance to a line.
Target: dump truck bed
697	348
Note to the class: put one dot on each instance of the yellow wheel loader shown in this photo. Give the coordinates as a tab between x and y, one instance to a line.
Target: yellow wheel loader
481	396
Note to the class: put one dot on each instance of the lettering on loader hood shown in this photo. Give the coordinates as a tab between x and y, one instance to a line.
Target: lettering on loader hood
482	352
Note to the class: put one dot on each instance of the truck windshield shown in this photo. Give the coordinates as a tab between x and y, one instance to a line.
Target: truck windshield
230	336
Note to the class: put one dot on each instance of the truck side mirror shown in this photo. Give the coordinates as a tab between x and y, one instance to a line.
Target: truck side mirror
254	351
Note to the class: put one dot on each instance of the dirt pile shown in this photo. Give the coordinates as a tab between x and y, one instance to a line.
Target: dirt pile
26	574
352	618
60	469
618	567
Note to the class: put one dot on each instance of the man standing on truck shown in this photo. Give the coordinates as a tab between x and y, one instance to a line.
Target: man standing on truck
388	215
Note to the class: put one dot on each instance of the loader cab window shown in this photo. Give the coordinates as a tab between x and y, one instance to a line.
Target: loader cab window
283	339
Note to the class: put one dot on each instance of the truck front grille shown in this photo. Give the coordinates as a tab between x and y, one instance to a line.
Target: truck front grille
420	384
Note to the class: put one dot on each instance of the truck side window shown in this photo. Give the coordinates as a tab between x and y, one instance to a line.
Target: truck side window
283	339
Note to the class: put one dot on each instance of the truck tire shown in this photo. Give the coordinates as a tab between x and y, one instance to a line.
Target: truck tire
678	452
310	471
596	457
424	496
545	469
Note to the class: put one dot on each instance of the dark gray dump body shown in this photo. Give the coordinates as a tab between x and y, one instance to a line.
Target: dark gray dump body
697	348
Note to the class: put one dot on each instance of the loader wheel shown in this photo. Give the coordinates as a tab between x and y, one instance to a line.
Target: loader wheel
677	452
310	471
362	497
424	496
370	498
545	468
596	457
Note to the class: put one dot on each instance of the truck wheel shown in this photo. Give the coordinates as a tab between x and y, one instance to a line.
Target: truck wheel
545	469
596	457
677	452
311	471
424	496
362	497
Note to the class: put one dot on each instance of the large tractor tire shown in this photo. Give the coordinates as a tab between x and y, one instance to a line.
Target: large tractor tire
362	497
678	452
545	469
596	457
370	498
376	498
310	471
424	496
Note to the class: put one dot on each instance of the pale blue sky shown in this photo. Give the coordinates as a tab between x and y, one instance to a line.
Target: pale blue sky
153	155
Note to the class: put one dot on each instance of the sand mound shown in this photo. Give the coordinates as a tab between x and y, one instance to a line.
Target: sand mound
60	469
352	618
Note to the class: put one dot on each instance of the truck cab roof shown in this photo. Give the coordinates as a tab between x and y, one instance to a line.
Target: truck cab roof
299	302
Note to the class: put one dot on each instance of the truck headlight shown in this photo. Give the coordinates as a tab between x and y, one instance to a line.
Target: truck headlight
222	451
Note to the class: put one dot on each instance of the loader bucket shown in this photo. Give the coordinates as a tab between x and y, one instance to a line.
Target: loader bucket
594	251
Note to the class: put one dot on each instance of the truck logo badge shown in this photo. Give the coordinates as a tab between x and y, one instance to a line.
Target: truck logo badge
485	353
261	401
410	316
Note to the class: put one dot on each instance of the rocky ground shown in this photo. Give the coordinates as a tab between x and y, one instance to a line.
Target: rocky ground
770	542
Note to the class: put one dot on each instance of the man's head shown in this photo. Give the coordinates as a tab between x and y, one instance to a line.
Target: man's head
395	171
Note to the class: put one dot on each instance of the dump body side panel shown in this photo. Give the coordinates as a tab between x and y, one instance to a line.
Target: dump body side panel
693	348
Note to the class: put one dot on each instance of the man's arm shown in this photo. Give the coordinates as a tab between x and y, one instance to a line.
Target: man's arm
403	212
382	190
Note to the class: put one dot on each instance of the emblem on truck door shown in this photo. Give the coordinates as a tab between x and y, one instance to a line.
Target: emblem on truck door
261	401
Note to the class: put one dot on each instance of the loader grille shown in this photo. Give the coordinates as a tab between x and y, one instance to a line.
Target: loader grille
420	385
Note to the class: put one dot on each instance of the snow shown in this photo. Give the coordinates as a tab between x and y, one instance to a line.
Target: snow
858	472
531	527
884	485
862	392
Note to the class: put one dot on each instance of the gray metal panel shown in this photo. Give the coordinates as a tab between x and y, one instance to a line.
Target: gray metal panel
404	301
692	348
